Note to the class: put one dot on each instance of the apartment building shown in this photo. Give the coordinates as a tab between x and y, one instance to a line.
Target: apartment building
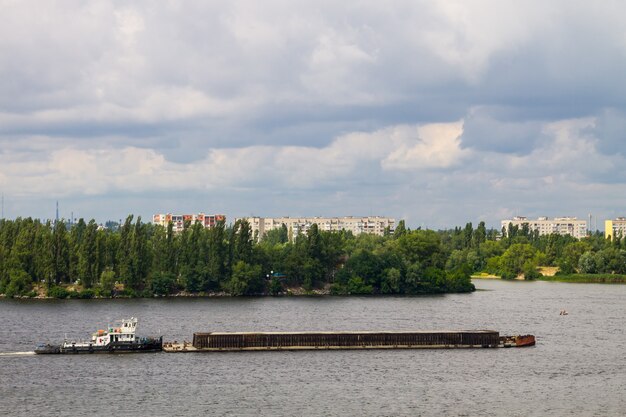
616	227
546	226
178	220
300	225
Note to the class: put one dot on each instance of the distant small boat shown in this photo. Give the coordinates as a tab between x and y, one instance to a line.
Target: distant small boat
563	313
116	339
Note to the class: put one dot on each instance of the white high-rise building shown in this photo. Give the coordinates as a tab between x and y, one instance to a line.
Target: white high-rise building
300	225
546	226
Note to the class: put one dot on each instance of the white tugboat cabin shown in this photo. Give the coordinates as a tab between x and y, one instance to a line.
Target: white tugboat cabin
122	331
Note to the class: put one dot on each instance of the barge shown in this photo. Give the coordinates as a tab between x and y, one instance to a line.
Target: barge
119	338
268	341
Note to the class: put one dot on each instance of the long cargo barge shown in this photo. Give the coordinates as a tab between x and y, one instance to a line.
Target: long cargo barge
264	341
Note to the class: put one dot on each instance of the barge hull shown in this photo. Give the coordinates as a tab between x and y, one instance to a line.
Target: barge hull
174	347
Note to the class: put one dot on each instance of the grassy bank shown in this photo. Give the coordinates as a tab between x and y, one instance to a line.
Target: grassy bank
587	278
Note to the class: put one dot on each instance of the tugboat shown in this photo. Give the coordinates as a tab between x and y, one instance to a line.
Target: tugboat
117	339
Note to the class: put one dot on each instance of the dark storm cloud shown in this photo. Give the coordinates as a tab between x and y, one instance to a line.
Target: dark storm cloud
497	130
610	130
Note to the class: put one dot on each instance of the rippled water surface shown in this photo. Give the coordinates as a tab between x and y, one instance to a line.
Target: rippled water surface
578	367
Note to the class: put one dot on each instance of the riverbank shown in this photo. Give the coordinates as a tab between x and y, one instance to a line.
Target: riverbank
83	295
62	293
586	278
491	276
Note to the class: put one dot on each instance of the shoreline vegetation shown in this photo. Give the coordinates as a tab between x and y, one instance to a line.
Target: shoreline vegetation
587	278
570	278
136	259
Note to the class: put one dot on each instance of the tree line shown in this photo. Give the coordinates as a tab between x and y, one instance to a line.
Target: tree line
142	259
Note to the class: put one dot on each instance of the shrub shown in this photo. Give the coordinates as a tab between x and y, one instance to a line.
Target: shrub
163	283
87	293
356	285
58	292
275	286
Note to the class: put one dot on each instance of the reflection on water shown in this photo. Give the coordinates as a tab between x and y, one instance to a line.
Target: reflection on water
577	368
27	353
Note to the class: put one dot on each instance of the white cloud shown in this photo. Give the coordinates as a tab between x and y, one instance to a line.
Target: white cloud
433	146
418	107
72	170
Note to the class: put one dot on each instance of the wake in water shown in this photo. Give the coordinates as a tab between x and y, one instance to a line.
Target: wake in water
27	353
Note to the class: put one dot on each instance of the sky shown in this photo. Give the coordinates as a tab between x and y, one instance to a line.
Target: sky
436	112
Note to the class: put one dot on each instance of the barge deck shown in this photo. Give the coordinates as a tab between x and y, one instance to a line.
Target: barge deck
271	341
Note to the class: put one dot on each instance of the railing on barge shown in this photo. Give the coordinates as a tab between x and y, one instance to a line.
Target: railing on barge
218	341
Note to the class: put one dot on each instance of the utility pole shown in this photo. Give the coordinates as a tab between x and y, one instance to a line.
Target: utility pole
2	217
57	216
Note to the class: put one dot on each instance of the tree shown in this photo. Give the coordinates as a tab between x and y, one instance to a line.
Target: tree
459	280
480	235
141	254
413	280
245	279
242	245
77	232
391	281
217	256
519	258
276	236
19	283
44	262
163	283
193	258
107	282
422	246
133	254
587	263
468	235
87	269
124	253
400	229
568	262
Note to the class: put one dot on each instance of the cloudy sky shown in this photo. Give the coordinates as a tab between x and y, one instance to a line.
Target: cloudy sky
438	112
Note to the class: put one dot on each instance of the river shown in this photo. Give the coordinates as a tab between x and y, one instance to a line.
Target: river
577	368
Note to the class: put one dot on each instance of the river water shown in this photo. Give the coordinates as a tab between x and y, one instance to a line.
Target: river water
578	367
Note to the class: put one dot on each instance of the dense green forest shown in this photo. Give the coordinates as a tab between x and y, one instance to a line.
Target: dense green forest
141	259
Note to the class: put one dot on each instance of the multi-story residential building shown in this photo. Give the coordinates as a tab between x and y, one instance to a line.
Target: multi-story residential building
297	225
615	227
178	220
546	226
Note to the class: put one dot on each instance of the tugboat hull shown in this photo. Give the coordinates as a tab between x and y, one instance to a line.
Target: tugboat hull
48	349
150	345
147	345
